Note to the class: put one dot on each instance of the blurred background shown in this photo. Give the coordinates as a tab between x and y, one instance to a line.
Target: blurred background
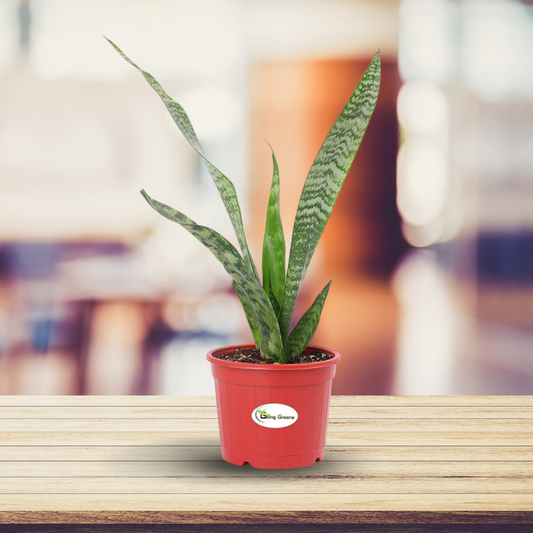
430	246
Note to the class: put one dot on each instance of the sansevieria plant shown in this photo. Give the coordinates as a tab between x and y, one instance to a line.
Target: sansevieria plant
269	303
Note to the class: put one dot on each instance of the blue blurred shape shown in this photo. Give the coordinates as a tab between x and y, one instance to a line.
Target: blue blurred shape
41	331
505	257
32	260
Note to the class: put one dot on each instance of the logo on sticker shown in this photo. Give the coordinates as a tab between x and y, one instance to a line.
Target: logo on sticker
274	415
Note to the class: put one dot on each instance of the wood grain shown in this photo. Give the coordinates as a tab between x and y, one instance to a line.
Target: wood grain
393	439
291	518
220	487
336	411
113	460
210	425
273	502
344	454
262	528
219	469
195	401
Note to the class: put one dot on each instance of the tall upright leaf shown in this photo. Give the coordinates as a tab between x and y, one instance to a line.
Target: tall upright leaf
224	185
323	185
303	332
249	313
273	300
274	243
249	288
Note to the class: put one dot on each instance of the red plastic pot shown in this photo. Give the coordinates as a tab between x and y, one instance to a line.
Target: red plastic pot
272	416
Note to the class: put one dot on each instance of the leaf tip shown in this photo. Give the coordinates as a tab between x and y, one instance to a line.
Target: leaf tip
274	160
110	42
145	196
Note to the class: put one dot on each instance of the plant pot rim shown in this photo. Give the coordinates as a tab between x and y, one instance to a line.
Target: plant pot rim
275	367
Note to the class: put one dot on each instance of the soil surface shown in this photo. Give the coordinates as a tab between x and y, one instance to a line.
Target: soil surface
253	356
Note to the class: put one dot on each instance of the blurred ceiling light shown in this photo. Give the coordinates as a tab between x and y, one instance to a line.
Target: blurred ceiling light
9	34
170	36
422	108
422	181
426	43
425	235
498	39
214	110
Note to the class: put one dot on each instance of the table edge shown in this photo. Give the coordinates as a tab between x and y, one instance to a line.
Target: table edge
290	517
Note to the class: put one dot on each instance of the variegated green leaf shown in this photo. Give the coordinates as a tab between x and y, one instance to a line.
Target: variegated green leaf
303	332
274	241
324	182
249	288
250	315
225	187
272	297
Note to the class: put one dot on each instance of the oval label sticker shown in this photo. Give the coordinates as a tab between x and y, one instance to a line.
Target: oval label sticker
274	415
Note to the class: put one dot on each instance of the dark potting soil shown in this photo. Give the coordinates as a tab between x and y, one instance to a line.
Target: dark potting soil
253	356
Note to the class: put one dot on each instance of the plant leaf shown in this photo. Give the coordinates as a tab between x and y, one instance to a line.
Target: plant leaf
249	287
225	187
272	297
274	242
324	182
303	332
250	315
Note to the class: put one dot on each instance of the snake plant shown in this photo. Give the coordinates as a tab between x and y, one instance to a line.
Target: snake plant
269	303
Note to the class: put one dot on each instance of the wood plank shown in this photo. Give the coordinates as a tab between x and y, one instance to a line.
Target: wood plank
435	401
428	453
211	452
108	439
333	439
272	502
244	484
342	412
194	452
245	518
219	468
384	454
417	425
430	439
207	425
199	401
107	401
118	413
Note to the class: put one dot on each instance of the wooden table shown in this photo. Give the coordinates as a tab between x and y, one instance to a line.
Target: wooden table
406	461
